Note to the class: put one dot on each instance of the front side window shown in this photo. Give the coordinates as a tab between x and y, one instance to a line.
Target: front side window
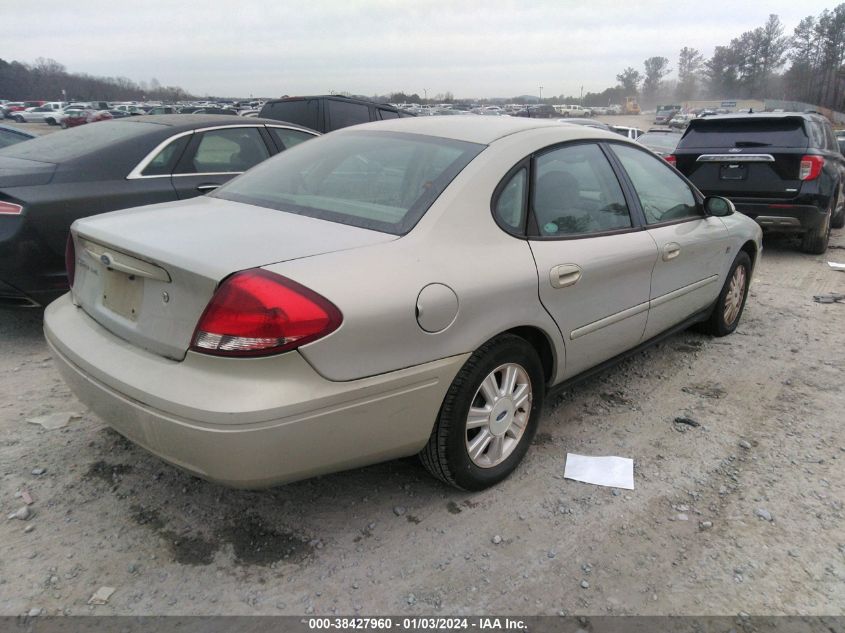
227	150
577	193
664	196
383	181
387	114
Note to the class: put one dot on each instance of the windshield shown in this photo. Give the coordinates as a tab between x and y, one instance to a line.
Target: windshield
87	139
383	181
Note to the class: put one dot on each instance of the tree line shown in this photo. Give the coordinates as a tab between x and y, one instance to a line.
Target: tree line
50	80
761	63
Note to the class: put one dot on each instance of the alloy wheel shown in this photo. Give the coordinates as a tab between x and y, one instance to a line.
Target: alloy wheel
735	295
498	415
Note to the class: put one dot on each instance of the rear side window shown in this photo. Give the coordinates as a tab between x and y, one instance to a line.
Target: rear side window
510	205
343	114
164	162
577	193
387	114
717	133
664	196
383	181
817	138
300	111
287	138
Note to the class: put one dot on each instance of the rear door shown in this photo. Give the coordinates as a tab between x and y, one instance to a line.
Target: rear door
593	260
215	156
692	247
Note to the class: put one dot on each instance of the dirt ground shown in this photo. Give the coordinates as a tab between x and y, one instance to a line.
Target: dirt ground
741	513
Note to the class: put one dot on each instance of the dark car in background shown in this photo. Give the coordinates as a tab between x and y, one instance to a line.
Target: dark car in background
11	136
48	182
539	112
783	169
327	113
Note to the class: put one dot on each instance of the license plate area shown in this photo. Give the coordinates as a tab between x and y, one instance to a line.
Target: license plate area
732	171
122	293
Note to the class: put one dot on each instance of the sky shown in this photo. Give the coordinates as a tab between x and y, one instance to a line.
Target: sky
471	48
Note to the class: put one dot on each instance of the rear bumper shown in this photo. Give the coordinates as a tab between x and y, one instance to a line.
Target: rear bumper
246	423
780	216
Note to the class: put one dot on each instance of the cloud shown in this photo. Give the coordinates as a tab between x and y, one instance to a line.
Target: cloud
472	48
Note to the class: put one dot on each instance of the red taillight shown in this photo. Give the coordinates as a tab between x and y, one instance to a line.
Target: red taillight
670	158
70	260
811	167
257	313
9	208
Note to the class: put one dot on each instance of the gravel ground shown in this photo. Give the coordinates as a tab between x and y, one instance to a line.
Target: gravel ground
742	510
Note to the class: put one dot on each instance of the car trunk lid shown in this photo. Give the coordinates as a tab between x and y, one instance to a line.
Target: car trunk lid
147	274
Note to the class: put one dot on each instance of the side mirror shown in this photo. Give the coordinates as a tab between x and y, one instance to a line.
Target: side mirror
718	206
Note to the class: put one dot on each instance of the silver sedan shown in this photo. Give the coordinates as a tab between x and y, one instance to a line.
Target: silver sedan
404	287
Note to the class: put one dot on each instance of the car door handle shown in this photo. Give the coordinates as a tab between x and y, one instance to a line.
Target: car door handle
564	275
671	251
208	187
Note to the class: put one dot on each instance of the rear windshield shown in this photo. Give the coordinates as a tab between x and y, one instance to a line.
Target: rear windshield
78	141
383	181
659	141
712	133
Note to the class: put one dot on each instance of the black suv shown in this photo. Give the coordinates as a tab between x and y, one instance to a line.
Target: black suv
327	113
782	169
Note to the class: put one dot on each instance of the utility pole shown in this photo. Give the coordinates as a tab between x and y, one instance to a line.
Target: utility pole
582	96
425	94
541	93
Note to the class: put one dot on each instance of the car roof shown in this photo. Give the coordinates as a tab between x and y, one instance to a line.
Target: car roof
184	122
362	100
481	130
807	116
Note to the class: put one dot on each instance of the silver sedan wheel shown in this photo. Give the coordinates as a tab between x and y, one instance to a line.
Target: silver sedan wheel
736	293
498	415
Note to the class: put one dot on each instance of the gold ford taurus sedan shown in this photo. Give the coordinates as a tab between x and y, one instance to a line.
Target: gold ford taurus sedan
403	287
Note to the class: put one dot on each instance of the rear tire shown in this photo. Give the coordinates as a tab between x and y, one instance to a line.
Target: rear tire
731	302
50	121
815	241
837	219
482	385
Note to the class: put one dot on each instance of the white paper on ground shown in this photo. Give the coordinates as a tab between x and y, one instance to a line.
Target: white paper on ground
836	265
616	472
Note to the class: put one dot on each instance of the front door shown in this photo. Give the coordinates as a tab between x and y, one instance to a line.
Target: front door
691	245
594	262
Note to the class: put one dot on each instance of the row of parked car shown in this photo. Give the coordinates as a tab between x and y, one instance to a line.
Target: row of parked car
274	302
54	112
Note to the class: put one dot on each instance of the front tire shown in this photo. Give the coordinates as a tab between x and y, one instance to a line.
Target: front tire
731	302
489	415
